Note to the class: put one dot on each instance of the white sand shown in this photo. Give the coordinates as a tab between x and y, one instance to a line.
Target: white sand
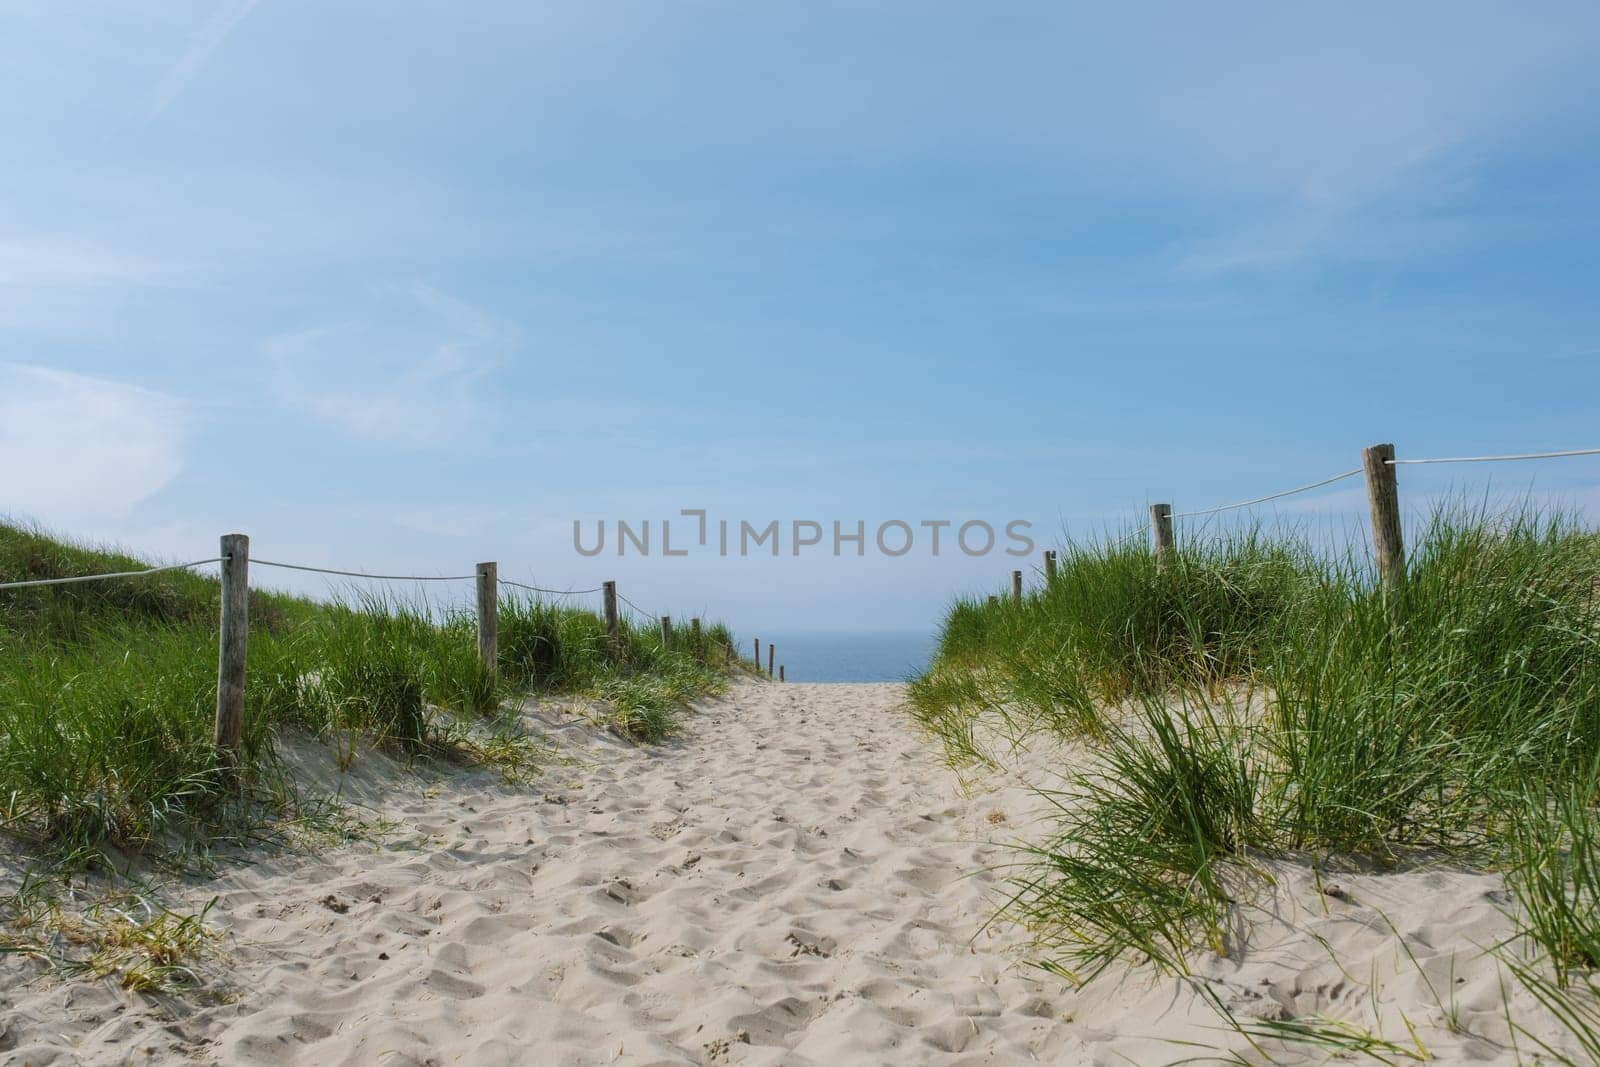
798	881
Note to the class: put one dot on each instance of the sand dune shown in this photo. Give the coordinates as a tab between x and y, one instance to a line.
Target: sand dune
797	881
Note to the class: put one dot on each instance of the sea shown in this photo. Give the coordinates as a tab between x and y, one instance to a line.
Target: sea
848	656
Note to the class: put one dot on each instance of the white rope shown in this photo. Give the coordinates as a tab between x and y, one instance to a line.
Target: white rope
1501	459
634	606
363	574
100	577
319	570
1269	496
552	592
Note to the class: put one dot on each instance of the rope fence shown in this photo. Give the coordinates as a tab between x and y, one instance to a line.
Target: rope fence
550	592
234	628
634	606
364	574
114	574
1378	464
1504	459
1391	462
1269	496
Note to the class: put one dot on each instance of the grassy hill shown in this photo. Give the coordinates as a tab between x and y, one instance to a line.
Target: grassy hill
108	691
1256	697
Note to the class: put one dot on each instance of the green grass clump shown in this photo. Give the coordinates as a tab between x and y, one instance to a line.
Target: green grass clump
1553	839
1254	696
1113	626
551	648
109	738
1398	717
1139	864
381	666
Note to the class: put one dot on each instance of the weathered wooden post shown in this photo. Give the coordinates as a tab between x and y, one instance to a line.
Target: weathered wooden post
1016	587
772	652
1049	567
1161	532
758	654
609	592
666	631
994	600
780	672
1383	498
694	633
488	615
233	639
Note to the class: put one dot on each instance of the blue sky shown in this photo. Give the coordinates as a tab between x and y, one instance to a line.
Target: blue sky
405	286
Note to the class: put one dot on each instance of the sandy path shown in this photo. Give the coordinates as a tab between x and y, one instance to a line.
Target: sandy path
798	880
783	885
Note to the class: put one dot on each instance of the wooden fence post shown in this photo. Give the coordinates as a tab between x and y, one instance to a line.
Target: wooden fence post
1049	567
1016	587
1383	498
758	653
772	652
666	631
780	672
694	632
489	616
609	590
1161	532
232	642
993	601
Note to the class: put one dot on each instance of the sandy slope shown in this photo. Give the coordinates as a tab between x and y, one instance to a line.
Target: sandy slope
798	881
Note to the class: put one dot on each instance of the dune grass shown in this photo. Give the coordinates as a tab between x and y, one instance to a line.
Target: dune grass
108	690
645	685
1113	626
1258	697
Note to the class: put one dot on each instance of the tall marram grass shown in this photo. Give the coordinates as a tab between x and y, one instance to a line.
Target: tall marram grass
108	738
380	665
552	648
1256	696
1400	718
1113	626
108	691
1141	861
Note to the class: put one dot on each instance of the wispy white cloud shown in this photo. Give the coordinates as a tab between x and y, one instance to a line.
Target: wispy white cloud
1334	139
68	262
73	445
203	43
1308	233
412	373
